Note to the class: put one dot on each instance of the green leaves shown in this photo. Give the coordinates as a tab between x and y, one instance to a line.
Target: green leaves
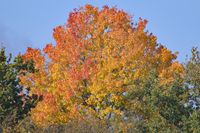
14	103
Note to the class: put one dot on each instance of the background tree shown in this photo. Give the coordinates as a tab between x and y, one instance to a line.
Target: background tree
193	86
14	103
171	107
193	78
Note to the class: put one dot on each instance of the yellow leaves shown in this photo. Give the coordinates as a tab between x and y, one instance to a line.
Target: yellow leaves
42	115
177	68
169	74
97	55
56	72
166	55
105	112
116	99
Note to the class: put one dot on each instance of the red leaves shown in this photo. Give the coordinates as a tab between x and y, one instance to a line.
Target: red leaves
48	48
142	24
35	55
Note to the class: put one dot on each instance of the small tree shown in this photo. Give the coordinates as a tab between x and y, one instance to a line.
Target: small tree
15	104
193	78
191	123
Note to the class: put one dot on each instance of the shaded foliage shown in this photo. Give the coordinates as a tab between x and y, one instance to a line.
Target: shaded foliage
14	103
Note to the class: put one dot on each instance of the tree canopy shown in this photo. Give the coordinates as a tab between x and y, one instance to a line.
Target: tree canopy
98	55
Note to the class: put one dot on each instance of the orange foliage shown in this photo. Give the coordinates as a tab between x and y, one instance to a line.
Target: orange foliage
98	53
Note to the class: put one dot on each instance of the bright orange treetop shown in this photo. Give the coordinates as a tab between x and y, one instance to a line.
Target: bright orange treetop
97	55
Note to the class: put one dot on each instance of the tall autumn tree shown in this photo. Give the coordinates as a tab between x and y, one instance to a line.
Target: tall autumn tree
99	56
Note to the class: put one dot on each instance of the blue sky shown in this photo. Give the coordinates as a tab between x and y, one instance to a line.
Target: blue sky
23	23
